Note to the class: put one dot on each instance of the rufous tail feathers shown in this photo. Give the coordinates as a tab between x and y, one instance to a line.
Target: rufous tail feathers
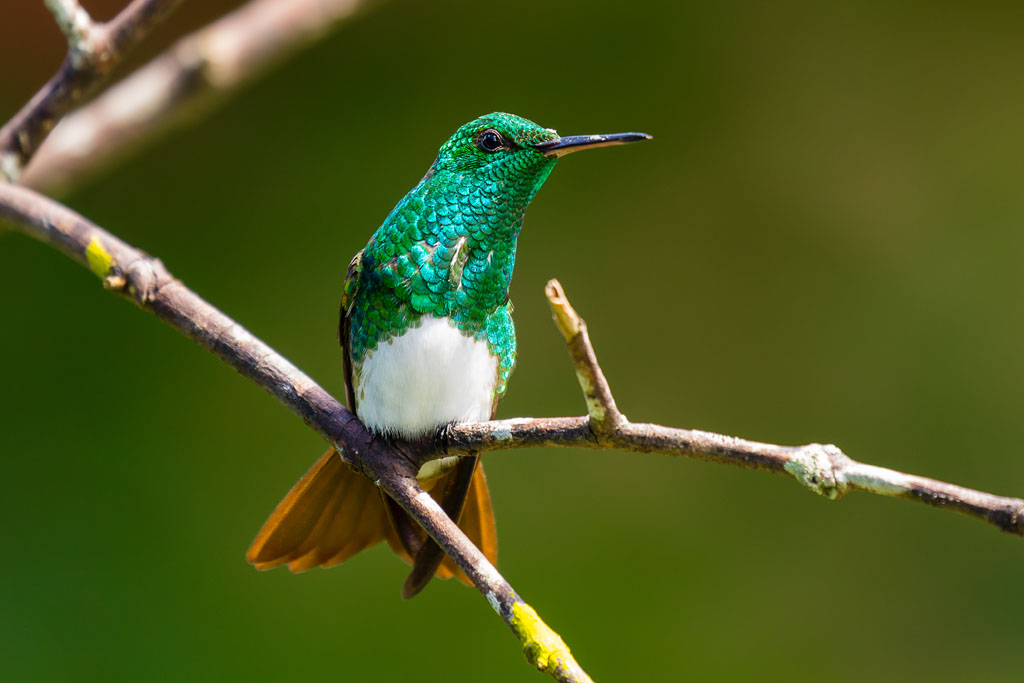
333	512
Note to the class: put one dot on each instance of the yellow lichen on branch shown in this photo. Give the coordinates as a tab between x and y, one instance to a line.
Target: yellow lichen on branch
100	260
543	648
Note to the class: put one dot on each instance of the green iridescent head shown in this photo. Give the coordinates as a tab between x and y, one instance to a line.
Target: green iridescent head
513	153
494	140
499	149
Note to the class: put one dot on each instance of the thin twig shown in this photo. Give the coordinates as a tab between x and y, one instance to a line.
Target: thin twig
605	418
93	51
823	468
195	73
146	281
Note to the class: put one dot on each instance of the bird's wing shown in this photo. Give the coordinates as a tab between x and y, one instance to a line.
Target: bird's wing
403	535
348	297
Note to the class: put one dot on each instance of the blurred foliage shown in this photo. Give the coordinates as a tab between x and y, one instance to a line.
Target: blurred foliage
823	243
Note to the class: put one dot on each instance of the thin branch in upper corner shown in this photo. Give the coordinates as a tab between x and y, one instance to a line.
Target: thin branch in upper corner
76	25
197	71
94	49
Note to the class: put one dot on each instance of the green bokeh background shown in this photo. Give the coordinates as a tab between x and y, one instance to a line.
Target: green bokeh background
823	243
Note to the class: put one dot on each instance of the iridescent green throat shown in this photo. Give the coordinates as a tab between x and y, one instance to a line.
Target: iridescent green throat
448	248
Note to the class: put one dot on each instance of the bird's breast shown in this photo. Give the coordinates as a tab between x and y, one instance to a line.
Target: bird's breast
430	375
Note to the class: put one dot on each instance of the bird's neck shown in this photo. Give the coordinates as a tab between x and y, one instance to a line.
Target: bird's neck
452	240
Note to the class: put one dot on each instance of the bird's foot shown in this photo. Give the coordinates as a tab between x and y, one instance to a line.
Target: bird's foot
443	438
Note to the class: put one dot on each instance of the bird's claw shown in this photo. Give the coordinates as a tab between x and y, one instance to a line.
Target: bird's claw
443	438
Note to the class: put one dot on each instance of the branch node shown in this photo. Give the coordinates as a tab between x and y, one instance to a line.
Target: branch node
115	282
1017	521
79	29
144	278
819	467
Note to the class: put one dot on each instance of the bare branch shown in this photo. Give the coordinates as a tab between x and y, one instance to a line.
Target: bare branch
823	468
198	71
146	281
94	49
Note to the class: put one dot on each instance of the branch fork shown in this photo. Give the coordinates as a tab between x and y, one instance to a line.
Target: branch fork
200	69
84	41
94	49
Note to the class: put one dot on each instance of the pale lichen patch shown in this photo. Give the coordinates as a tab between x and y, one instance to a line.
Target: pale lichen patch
493	600
813	467
595	408
488	572
504	431
10	166
878	480
239	335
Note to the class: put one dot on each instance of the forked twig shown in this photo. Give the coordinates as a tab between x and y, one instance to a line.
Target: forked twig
94	49
823	468
199	70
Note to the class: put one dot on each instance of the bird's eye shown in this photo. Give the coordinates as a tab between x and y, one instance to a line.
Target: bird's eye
490	141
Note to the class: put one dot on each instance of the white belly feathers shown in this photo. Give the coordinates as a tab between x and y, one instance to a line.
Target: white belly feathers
429	376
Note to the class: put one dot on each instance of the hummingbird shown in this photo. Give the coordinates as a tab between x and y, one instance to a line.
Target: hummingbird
428	341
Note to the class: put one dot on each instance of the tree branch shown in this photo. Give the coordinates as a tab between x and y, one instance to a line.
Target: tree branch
94	49
195	73
218	59
823	468
144	279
